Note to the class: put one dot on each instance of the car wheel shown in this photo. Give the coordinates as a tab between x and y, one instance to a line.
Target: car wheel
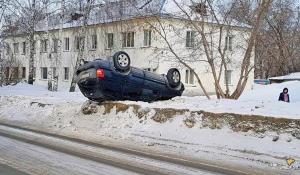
173	77
121	61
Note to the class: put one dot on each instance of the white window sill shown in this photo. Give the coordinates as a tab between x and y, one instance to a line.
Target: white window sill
66	51
43	79
108	49
128	47
228	85
189	85
145	46
65	80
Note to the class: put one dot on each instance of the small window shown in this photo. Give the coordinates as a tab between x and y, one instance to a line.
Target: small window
110	40
34	72
44	73
128	39
79	43
55	45
23	72
94	42
190	39
44	45
15	72
189	77
8	49
34	46
147	37
66	44
53	72
229	73
23	47
228	43
66	73
7	72
16	47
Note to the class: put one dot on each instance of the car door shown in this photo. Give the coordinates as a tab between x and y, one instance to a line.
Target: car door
132	84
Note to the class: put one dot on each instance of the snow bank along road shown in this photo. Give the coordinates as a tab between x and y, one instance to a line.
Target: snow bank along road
37	152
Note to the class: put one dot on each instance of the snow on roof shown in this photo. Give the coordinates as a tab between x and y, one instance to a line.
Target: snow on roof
117	10
291	76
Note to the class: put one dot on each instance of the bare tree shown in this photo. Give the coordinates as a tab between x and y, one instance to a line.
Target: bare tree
82	42
59	46
204	18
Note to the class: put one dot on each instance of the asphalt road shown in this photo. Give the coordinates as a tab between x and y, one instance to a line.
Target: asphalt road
7	170
36	153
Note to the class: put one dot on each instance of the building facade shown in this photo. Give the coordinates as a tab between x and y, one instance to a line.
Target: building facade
152	44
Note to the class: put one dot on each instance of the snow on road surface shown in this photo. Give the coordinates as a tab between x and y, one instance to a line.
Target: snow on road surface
61	111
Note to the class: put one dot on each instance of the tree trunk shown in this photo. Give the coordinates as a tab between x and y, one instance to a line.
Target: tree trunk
31	43
59	46
82	45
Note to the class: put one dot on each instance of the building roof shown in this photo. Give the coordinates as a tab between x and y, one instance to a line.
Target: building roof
291	76
109	11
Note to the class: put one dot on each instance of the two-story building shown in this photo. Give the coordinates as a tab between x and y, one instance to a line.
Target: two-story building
154	34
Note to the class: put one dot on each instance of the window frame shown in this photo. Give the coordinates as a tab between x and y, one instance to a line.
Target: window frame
66	44
128	39
189	80
94	42
78	40
42	73
23	72
147	38
44	45
190	40
66	73
23	48
15	72
55	45
16	48
229	43
110	40
229	74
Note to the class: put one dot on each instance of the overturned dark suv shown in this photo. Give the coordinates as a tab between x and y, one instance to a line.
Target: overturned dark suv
102	80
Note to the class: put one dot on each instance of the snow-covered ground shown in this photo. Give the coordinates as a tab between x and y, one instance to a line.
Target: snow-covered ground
61	111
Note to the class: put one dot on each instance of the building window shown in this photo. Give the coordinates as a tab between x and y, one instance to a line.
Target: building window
190	39
110	40
53	71
66	44
55	45
79	42
229	73
23	72
189	77
7	72
44	45
66	73
44	73
128	39
34	72
94	42
147	37
16	47
34	46
23	47
228	43
15	72
8	50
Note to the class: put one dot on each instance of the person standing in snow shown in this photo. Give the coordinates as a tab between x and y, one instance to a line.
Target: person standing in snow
284	96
